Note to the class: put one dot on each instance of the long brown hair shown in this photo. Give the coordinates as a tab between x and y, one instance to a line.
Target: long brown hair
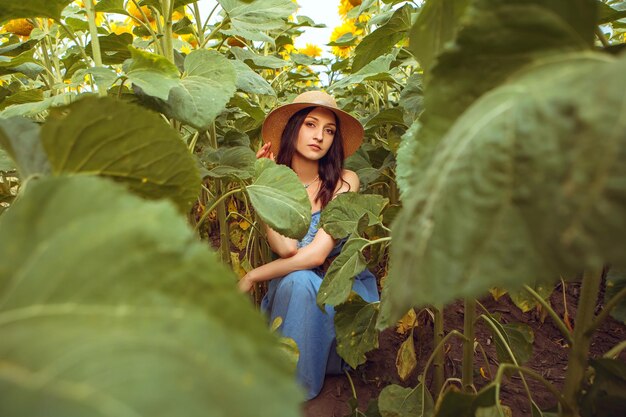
330	165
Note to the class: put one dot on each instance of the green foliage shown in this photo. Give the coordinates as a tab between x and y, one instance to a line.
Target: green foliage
458	404
207	85
246	17
20	139
138	149
110	306
396	401
340	275
341	216
383	39
236	162
355	322
512	338
437	23
154	74
500	189
607	394
498	37
11	9
279	199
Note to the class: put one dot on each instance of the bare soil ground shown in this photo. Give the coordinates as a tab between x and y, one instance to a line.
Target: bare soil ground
549	357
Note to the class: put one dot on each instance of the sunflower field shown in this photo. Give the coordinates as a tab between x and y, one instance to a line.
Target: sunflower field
493	168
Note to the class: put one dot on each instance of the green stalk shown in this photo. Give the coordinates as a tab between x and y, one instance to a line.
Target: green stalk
431	358
394	195
95	42
200	28
215	205
438	362
506	366
223	225
467	372
606	310
48	68
167	8
579	354
603	40
615	350
555	317
505	343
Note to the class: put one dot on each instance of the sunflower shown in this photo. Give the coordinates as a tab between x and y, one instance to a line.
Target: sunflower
311	50
347	27
99	16
120	27
286	50
135	12
20	27
344	7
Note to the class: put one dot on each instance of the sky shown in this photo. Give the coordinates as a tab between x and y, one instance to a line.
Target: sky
321	11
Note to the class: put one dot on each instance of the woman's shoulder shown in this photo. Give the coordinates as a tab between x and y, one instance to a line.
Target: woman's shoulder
350	182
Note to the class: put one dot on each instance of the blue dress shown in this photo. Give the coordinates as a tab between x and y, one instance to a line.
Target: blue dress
293	298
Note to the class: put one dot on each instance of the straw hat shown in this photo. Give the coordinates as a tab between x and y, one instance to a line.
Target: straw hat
275	122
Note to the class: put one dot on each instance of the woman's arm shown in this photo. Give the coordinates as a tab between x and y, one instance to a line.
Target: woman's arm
281	245
312	255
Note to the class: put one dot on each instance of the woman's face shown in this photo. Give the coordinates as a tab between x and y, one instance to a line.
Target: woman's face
316	133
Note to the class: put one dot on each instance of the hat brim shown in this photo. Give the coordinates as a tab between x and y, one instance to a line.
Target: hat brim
351	129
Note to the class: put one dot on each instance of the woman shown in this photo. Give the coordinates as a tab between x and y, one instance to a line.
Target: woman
311	136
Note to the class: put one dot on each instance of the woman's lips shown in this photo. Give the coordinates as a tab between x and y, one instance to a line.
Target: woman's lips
315	147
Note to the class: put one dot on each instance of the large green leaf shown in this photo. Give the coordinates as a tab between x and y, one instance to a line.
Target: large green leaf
6	163
20	139
341	216
355	326
437	23
12	9
377	70
381	40
250	16
258	61
207	85
397	401
235	162
279	198
532	171
337	283
23	63
37	107
526	302
109	306
412	96
114	48
497	38
251	82
125	142
111	6
511	338
460	404
23	96
154	74
102	76
607	14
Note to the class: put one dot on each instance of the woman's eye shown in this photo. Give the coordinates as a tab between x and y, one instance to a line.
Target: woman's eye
330	131
310	124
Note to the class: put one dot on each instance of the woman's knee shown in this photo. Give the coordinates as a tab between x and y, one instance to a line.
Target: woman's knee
299	284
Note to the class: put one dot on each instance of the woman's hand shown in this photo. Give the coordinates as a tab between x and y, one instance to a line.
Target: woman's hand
245	284
266	152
